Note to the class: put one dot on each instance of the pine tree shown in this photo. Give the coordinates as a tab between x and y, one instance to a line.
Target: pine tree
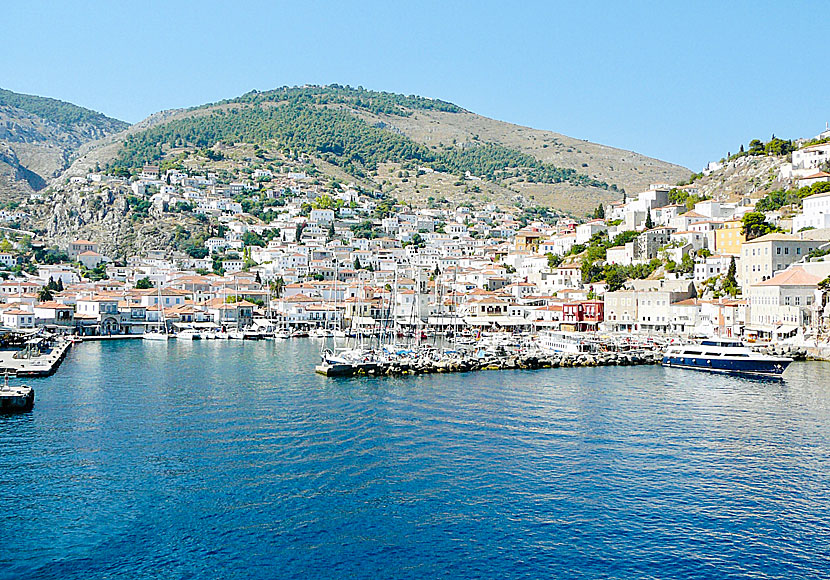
44	294
59	285
649	222
730	283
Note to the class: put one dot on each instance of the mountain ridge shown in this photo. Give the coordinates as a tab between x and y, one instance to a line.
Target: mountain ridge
40	136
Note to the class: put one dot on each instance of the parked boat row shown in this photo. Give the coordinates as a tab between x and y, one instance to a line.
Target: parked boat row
713	355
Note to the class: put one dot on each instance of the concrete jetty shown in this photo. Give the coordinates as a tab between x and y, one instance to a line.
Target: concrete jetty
36	366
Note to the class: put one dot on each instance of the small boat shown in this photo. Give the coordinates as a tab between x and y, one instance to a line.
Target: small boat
189	334
16	399
725	356
156	335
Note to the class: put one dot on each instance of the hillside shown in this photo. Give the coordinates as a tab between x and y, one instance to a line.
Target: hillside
39	137
374	137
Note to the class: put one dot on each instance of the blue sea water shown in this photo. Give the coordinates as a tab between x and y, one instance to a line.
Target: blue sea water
233	460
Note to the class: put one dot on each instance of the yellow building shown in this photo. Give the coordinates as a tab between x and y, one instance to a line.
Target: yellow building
528	239
729	239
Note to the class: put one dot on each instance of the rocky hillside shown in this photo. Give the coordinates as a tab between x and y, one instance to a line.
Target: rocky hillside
751	176
105	218
40	137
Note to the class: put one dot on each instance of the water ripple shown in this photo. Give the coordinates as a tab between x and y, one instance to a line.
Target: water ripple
231	460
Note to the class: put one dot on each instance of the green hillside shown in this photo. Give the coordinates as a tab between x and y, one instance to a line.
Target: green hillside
321	121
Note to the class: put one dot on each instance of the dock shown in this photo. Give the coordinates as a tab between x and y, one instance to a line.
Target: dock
43	365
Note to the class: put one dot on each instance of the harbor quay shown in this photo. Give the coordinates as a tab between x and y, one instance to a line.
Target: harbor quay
38	357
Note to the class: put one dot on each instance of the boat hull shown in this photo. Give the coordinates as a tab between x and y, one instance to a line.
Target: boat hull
754	367
21	400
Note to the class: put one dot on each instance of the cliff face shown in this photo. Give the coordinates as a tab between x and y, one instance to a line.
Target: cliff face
105	218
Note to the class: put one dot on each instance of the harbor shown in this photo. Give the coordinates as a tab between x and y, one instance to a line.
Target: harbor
242	433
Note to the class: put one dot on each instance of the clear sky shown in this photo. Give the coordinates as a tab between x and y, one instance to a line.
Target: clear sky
681	81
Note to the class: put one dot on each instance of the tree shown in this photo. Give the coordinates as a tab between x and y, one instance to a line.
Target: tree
59	285
730	283
649	222
357	265
144	284
51	284
277	286
253	239
614	277
553	260
44	294
755	225
599	213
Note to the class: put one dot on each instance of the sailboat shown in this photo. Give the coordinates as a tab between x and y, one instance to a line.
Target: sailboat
160	333
237	333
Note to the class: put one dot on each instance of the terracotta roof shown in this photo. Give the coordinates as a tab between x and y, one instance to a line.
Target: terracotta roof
795	276
52	304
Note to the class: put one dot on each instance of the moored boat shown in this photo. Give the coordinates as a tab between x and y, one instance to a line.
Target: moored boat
725	356
16	399
557	341
189	334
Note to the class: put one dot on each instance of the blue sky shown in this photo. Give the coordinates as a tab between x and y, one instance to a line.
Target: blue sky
685	82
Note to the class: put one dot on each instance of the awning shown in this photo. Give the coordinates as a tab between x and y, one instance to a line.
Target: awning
445	320
496	321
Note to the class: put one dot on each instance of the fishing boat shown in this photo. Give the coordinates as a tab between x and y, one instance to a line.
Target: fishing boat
16	399
725	356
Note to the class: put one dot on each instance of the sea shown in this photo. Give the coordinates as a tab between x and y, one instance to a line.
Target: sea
216	459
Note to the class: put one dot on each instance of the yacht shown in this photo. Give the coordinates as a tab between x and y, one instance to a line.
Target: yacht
555	341
725	356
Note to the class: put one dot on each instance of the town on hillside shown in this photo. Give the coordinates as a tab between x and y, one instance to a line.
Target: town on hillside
273	248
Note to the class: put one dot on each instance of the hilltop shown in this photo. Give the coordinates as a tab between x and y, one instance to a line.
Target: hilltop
379	138
39	137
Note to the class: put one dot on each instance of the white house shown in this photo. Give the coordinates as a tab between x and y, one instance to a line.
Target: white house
815	213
